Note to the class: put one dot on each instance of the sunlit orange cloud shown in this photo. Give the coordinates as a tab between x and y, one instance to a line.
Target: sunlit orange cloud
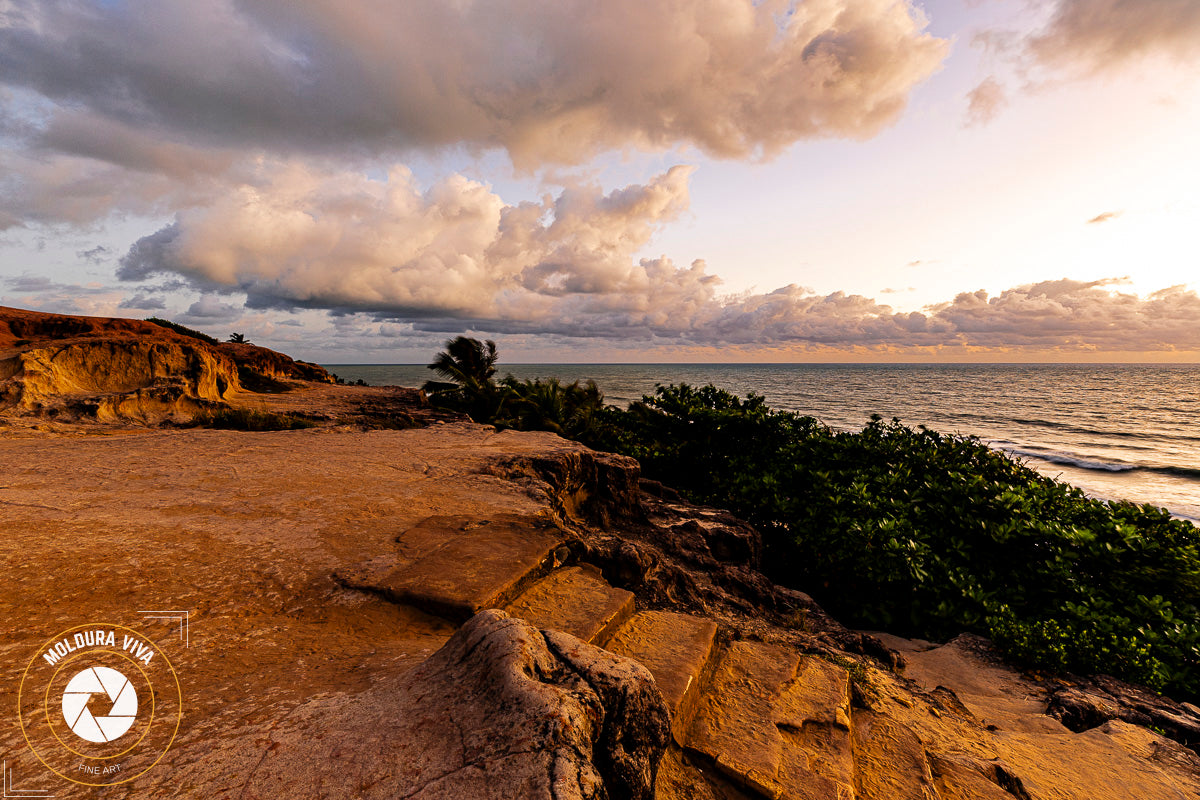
456	256
1100	35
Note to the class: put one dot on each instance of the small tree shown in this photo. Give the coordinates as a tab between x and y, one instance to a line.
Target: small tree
238	338
468	365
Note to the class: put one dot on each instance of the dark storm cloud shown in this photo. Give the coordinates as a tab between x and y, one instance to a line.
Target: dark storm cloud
547	80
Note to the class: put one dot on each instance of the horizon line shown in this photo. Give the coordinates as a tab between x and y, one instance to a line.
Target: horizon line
794	364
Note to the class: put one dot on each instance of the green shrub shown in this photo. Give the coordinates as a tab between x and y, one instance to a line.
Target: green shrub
469	366
175	326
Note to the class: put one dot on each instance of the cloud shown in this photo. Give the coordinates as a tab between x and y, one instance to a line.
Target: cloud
96	255
454	257
1105	217
31	283
1097	35
549	81
143	302
41	293
299	237
1084	38
985	101
1067	314
208	309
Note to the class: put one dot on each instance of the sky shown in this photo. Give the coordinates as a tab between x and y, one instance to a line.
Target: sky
356	181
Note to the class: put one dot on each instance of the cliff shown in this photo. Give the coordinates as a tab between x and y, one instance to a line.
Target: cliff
271	364
65	367
448	611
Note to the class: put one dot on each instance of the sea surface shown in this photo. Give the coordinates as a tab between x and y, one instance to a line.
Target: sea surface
1116	431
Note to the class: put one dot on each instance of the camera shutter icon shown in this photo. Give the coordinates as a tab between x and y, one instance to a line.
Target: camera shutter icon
119	719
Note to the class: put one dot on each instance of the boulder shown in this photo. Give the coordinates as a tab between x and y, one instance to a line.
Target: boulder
1090	702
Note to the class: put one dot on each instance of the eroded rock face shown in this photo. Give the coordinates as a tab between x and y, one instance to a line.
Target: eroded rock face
110	369
111	380
582	485
503	710
272	364
1093	701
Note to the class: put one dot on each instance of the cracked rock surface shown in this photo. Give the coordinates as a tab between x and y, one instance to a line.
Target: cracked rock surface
503	710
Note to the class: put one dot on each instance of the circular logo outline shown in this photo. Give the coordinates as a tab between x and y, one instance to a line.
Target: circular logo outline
50	716
64	634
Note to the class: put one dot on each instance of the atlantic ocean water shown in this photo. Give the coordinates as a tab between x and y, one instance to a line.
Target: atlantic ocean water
1116	431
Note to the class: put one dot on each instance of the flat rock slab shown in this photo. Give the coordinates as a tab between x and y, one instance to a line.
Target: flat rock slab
735	717
891	763
675	648
1033	755
990	690
575	600
777	722
463	564
244	530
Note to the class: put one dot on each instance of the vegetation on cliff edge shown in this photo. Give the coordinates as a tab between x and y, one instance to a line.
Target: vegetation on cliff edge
180	329
906	529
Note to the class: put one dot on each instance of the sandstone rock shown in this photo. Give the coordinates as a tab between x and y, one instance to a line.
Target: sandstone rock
1010	741
109	369
575	600
113	380
721	536
501	711
272	364
642	568
456	566
636	726
1091	702
583	485
890	763
737	723
961	777
676	649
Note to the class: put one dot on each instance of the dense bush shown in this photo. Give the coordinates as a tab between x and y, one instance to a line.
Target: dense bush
908	529
180	329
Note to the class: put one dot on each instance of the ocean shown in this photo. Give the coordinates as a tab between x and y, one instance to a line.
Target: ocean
1117	431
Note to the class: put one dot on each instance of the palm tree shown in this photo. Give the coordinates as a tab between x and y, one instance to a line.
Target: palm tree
468	365
550	405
